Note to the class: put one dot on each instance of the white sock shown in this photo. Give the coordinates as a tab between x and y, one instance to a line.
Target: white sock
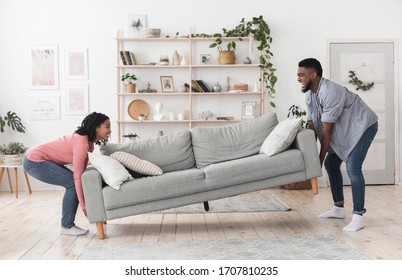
356	223
74	230
334	212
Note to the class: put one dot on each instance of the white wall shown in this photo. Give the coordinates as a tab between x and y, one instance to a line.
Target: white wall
300	29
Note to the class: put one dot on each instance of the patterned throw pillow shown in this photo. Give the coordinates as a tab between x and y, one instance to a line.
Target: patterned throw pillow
136	164
281	137
112	171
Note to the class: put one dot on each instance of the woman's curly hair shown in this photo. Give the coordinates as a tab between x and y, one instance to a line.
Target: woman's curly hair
89	125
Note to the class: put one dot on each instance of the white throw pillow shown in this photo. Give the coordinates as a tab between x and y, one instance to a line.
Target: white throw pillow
281	137
136	164
112	171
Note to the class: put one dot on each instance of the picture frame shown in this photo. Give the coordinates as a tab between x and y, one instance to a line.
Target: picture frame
77	100
248	110
44	108
76	64
167	84
205	59
136	22
43	67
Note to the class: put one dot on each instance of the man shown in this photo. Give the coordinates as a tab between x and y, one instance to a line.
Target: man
345	126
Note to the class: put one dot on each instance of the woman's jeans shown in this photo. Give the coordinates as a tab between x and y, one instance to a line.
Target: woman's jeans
354	168
54	174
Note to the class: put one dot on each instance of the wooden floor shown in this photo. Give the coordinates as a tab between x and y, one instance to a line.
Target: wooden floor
29	225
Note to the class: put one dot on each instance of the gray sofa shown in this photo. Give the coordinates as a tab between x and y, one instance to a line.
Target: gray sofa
199	165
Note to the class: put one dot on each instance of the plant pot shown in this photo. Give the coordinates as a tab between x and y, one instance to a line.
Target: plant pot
226	57
130	88
13	159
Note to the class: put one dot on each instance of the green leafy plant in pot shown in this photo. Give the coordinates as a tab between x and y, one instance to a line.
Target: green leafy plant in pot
13	151
130	86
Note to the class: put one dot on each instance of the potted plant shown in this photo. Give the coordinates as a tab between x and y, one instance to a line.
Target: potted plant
13	121
259	30
130	86
141	117
13	152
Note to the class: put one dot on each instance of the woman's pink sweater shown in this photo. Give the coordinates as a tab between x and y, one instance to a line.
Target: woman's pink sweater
70	149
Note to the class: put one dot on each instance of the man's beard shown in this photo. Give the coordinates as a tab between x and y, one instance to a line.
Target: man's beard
308	87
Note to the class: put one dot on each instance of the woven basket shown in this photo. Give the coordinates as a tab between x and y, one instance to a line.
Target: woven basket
303	185
13	160
226	57
243	87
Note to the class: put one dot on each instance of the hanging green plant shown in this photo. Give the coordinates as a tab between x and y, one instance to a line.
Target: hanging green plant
358	83
259	30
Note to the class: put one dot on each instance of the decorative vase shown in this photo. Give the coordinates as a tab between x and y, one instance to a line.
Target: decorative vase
175	58
183	61
216	88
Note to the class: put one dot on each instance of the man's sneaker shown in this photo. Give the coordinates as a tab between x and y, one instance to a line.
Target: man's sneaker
74	230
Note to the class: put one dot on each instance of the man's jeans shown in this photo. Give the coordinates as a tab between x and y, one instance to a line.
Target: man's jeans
354	168
54	174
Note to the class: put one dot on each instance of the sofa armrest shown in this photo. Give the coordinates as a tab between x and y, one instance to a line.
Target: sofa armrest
306	142
92	187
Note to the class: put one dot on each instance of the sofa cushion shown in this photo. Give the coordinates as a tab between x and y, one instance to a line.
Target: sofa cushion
170	152
136	164
281	137
253	168
223	143
112	171
155	188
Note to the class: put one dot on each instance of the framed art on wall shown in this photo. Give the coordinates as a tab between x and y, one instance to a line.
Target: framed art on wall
205	59
77	100
44	108
135	24
76	64
248	110
43	67
167	84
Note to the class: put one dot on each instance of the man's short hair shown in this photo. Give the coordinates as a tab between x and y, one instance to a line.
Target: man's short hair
312	63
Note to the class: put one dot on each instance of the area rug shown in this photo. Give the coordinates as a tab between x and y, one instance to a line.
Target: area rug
283	248
251	202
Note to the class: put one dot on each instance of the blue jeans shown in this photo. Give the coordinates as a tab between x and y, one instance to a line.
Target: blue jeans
54	174
354	164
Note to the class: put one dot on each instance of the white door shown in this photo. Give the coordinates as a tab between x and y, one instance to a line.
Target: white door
371	62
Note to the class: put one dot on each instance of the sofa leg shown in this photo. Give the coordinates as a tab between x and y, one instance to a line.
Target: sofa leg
206	206
101	232
314	185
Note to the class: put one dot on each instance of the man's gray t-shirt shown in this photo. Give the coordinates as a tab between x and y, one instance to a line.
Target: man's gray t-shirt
334	103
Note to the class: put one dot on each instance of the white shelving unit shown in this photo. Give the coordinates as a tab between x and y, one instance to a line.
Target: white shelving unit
222	104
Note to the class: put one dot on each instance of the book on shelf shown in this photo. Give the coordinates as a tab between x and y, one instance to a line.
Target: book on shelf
195	86
128	58
203	86
225	118
123	58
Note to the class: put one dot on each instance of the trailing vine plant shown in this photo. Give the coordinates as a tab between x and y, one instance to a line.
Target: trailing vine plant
259	30
296	111
354	80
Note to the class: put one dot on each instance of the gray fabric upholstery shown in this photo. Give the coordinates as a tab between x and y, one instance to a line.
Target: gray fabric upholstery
171	184
231	166
252	168
222	143
170	152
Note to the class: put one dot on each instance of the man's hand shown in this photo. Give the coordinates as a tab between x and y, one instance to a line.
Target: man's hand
325	139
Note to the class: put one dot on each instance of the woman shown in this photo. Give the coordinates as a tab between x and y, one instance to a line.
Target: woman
46	162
